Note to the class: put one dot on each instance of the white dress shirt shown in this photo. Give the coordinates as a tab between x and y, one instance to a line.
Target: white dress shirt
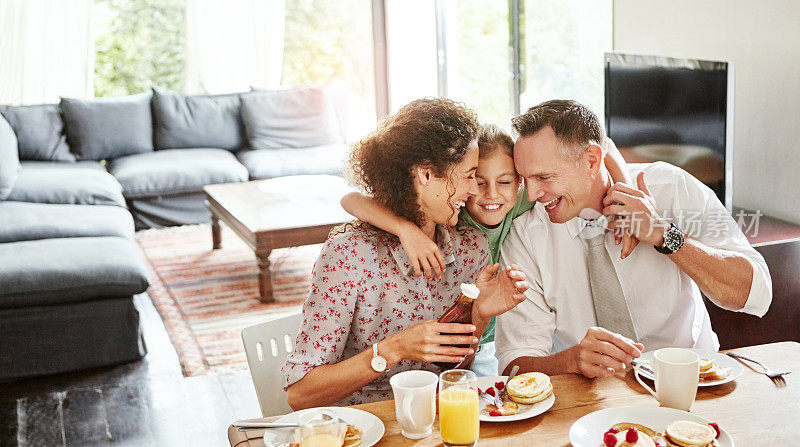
665	304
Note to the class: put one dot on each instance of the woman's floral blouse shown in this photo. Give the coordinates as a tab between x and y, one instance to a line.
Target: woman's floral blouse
362	291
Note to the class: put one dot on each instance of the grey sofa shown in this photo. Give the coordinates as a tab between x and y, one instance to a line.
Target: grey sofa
77	178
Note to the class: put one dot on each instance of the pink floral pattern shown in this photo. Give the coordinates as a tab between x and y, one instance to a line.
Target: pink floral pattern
362	292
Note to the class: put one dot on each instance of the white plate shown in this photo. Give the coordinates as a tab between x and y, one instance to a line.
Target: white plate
371	427
588	431
532	410
722	360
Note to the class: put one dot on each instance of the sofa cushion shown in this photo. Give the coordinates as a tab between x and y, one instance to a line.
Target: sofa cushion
197	121
75	269
175	171
290	118
40	132
79	183
270	163
107	128
9	159
22	221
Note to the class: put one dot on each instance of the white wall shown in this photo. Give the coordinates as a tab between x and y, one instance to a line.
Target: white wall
762	39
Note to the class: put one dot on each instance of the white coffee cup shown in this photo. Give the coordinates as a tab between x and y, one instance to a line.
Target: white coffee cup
676	376
415	402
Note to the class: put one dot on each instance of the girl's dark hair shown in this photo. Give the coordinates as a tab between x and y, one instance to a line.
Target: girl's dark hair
429	132
492	138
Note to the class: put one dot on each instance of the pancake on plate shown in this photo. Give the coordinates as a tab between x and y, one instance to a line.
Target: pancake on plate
710	371
617	436
690	434
529	388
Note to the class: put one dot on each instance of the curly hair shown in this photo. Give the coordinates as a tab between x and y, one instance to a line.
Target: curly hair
429	132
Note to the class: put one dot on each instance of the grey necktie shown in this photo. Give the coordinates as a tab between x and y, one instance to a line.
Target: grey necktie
610	306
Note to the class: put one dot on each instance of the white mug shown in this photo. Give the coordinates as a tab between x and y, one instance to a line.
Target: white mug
676	373
415	402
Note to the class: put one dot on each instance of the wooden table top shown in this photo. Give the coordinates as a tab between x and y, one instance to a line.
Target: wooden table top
753	410
283	203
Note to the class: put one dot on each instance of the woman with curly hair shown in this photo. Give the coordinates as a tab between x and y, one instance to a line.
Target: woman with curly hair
365	302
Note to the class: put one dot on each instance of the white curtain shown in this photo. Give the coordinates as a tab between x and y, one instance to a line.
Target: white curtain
46	50
234	44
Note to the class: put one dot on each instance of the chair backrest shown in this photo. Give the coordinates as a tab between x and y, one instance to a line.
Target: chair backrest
267	345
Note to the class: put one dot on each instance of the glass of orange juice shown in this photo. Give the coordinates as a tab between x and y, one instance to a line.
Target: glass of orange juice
458	408
316	432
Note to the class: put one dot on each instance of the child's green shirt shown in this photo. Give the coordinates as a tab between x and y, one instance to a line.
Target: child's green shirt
496	237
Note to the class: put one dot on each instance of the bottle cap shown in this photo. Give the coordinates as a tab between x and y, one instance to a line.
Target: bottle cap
470	291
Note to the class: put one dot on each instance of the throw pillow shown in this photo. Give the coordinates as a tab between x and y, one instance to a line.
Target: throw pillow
9	158
40	132
197	121
107	128
292	117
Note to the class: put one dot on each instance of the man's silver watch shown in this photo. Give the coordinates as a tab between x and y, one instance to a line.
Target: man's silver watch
673	240
378	362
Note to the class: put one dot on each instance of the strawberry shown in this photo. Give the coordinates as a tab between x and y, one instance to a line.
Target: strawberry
614	430
499	385
495	413
490	391
609	439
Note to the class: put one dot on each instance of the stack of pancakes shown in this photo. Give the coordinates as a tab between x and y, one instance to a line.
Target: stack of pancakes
690	434
352	438
529	388
710	371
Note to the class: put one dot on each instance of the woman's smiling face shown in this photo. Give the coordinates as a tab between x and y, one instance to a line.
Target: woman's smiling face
443	197
498	184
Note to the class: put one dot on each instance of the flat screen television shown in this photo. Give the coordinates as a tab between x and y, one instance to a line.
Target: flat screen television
674	110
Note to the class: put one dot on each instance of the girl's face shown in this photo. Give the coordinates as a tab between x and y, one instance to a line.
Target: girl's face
498	184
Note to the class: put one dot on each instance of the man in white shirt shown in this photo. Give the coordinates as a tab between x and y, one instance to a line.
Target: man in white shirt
700	247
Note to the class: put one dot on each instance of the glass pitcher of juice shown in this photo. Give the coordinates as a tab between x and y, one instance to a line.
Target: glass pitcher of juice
461	312
458	408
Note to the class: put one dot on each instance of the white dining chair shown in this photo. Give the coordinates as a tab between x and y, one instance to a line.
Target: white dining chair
267	344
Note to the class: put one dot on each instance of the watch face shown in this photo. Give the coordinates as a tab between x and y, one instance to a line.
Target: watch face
379	363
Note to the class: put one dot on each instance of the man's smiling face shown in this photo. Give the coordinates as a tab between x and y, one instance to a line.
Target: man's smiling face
560	183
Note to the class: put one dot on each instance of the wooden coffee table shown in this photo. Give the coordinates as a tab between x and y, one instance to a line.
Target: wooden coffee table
277	213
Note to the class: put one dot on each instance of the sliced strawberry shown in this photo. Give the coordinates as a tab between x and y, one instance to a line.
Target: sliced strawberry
495	413
490	391
499	385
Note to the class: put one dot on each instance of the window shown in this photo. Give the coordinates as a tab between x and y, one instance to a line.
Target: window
563	44
480	70
331	42
138	45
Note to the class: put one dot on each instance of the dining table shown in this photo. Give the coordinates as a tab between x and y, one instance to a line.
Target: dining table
754	409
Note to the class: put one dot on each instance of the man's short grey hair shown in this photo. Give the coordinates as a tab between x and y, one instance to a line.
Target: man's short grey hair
575	125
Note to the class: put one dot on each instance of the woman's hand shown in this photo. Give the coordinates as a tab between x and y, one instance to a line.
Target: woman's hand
425	342
501	291
423	252
622	235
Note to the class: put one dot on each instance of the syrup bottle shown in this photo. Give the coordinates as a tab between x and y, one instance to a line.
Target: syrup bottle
461	312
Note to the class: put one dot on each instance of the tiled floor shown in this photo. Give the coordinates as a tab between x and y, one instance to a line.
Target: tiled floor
145	403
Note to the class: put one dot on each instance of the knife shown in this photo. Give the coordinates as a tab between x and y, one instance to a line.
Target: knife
643	367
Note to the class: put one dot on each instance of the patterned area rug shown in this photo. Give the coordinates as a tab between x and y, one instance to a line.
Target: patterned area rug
206	297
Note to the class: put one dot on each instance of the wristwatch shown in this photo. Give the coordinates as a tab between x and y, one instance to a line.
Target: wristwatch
673	240
378	362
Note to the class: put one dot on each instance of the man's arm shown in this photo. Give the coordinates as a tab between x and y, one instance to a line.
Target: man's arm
524	334
723	266
724	276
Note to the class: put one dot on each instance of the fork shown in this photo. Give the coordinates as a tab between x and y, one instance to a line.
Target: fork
774	376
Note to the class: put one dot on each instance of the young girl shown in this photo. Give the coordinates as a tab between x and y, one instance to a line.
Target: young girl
501	199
